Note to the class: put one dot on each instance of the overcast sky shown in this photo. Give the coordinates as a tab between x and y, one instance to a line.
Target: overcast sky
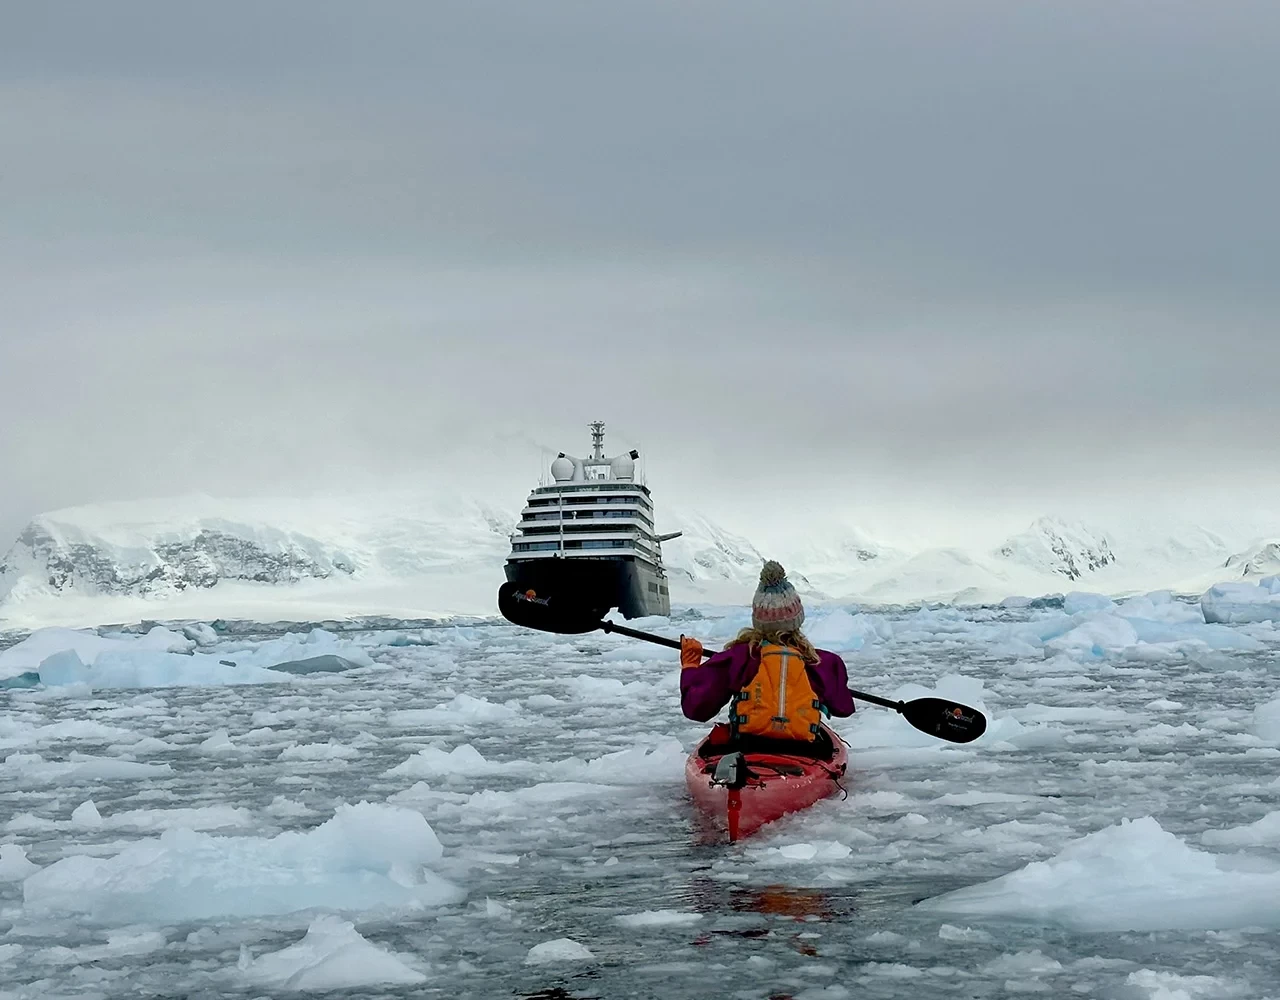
917	258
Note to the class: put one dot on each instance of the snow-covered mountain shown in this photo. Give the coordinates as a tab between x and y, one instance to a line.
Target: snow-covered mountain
64	556
713	563
708	554
420	555
1260	559
1052	545
209	557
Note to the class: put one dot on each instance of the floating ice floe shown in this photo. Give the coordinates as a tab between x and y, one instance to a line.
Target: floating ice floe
332	956
1152	627
1241	603
14	866
559	950
657	918
366	857
634	766
58	657
843	632
1131	877
462	709
28	770
1266	721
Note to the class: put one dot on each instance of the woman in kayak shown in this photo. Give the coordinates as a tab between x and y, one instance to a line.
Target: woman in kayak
776	684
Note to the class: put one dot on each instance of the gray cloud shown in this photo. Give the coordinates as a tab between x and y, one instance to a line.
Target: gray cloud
996	255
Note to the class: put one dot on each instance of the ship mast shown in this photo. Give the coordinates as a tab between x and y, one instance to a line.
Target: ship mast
597	441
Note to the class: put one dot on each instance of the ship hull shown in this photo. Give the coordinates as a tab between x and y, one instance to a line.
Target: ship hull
628	584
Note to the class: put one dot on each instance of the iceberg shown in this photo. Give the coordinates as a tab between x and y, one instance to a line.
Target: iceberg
1242	603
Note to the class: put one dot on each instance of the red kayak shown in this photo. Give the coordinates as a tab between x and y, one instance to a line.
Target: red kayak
742	787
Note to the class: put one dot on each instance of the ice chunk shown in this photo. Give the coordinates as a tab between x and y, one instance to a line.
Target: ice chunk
201	634
658	918
843	632
432	761
30	769
559	950
1263	832
1266	721
1143	630
332	956
637	766
969	935
63	657
463	709
1171	986
16	734
1134	876
1022	963
584	687
14	866
1093	638
319	751
1238	603
367	856
190	818
1161	606
831	850
86	815
218	742
28	654
1077	601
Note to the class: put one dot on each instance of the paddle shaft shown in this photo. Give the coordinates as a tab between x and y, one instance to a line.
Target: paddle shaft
662	640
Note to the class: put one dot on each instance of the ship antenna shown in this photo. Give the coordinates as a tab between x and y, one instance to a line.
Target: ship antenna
597	440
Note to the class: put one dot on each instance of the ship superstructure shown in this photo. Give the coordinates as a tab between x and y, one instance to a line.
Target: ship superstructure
590	534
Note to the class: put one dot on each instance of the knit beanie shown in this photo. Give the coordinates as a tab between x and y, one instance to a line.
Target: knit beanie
776	606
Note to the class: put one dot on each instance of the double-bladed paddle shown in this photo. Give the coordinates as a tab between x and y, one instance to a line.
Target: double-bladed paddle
947	720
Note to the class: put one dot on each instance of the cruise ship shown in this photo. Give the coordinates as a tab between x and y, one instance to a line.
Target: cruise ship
589	536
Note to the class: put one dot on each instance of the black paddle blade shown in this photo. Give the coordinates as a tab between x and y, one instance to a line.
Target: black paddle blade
547	612
947	720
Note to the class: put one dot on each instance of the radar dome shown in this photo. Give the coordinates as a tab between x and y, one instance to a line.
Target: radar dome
562	469
623	467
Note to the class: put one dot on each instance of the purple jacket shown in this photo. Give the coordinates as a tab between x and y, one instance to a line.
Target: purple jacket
706	689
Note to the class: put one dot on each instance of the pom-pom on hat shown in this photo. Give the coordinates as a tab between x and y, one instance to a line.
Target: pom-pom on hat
776	606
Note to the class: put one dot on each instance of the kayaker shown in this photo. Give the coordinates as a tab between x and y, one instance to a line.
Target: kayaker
756	673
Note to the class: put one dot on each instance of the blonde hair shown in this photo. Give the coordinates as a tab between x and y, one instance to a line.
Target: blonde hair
792	637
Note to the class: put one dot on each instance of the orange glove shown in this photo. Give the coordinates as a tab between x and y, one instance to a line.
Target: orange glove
690	653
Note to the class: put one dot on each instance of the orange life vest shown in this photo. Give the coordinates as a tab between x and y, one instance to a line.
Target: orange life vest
779	702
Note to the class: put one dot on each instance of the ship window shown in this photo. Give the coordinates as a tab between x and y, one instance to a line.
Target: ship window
535	546
579	529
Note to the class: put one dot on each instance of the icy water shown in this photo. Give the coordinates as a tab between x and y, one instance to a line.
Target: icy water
549	832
